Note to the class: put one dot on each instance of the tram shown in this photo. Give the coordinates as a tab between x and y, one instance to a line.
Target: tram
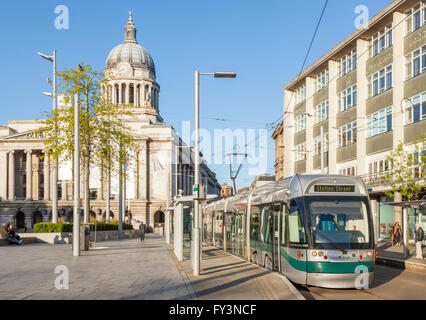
317	230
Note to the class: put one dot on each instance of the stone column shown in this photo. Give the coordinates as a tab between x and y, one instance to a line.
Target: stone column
64	190
29	171
136	177
36	176
12	175
46	178
143	176
120	93
127	93
100	195
3	176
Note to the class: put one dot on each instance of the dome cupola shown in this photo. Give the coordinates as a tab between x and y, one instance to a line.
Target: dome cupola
130	51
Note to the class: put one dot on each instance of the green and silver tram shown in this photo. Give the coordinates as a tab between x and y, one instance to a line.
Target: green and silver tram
317	230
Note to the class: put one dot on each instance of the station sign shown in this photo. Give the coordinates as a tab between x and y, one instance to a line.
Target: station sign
334	188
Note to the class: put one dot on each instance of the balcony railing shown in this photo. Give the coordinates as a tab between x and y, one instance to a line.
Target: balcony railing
381	178
376	179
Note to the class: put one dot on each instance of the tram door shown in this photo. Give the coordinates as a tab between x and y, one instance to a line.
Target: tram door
275	235
238	239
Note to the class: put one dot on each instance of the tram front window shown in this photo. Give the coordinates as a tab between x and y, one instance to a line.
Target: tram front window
339	223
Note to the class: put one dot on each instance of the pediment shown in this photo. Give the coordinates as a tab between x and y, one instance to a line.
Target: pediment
23	136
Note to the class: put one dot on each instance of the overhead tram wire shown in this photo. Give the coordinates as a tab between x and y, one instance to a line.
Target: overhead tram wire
301	69
309	50
338	75
335	77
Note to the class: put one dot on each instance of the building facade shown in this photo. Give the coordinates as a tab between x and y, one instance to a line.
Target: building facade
347	111
163	167
226	191
278	137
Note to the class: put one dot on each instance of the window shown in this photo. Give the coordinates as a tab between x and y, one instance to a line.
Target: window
297	234
300	122
255	224
380	41
321	112
379	81
347	98
300	151
378	166
322	80
415	109
415	63
415	17
266	225
347	63
379	122
339	223
347	134
351	171
317	144
300	94
283	225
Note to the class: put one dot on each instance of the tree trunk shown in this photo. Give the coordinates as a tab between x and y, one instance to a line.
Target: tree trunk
87	192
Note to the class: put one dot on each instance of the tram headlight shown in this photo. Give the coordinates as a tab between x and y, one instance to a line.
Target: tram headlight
321	253
314	253
370	253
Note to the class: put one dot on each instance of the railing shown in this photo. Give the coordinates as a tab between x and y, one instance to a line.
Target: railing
376	179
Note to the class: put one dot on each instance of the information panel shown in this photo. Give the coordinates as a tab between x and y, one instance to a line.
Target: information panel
334	188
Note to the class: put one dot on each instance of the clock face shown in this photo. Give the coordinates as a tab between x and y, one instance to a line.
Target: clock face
124	68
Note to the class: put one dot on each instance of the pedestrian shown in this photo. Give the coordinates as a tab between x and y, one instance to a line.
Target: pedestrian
396	234
419	241
142	230
12	236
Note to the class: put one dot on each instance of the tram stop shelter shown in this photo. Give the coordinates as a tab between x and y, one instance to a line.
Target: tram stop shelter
418	205
179	226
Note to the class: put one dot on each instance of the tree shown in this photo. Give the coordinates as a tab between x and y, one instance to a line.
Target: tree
104	138
409	170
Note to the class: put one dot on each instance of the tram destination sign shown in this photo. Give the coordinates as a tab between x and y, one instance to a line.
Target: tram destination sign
334	188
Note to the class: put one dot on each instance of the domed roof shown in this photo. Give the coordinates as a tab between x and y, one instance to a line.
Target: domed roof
130	51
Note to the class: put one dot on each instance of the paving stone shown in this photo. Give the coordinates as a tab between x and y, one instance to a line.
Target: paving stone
126	269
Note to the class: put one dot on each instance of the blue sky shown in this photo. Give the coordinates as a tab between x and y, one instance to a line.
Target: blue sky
263	41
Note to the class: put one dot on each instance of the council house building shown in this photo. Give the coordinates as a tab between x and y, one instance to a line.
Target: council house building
163	166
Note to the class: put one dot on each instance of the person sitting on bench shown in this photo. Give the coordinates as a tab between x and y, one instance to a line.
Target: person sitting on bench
12	237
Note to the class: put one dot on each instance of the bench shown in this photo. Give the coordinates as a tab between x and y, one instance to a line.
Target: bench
27	240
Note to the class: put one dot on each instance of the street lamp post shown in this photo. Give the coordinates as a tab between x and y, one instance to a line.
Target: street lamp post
55	160
76	220
197	215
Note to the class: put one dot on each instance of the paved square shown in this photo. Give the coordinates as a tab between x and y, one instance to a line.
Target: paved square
123	269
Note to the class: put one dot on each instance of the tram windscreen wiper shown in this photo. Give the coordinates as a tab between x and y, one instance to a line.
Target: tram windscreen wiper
334	244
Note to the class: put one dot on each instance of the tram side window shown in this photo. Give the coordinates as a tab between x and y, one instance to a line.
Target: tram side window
266	224
297	234
254	225
283	224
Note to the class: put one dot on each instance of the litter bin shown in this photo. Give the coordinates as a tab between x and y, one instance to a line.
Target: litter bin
84	238
161	231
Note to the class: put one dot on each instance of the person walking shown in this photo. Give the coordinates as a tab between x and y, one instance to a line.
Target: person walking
396	234
419	241
142	230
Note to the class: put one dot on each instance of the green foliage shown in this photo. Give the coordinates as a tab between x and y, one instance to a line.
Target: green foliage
68	227
105	140
49	227
408	172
